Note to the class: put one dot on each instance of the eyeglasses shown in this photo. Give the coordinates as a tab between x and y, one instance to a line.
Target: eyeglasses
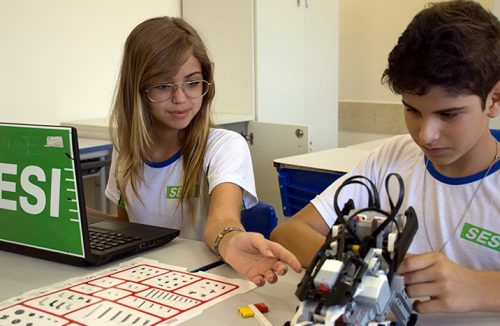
163	92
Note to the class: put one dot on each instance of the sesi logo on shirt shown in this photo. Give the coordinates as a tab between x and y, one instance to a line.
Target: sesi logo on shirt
483	237
174	192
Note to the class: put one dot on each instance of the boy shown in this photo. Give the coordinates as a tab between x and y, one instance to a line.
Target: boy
446	67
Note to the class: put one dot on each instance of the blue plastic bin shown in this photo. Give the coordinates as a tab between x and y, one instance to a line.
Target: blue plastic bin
299	186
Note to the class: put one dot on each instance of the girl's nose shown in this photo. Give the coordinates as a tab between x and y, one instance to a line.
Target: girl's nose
178	95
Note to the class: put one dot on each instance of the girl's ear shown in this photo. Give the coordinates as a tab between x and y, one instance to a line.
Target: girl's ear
493	101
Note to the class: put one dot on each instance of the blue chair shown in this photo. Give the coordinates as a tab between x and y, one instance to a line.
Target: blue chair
260	218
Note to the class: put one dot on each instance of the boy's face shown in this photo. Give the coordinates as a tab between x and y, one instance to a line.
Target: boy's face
452	130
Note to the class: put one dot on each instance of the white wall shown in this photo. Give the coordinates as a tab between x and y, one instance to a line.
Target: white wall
59	59
368	32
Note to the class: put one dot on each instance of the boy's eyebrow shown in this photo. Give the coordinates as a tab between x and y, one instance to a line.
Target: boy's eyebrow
447	110
408	105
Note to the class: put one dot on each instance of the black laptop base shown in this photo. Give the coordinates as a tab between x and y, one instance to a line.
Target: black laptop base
151	237
95	258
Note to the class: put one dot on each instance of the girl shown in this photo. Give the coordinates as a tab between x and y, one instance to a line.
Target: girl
170	168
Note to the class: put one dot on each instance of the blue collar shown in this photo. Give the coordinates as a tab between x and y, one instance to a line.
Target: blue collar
462	180
165	163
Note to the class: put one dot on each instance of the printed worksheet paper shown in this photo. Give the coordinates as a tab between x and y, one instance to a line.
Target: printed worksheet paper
140	292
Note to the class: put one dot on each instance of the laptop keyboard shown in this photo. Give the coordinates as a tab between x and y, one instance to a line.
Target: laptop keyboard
104	240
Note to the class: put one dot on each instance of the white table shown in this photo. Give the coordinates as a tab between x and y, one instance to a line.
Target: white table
19	273
331	160
282	302
279	298
22	273
302	177
340	159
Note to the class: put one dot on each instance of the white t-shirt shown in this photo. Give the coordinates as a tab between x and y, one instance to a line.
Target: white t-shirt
470	235
227	159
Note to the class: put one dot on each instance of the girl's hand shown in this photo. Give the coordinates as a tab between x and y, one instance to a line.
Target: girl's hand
259	259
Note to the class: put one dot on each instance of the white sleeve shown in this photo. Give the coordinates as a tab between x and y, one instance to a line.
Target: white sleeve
394	155
112	192
324	202
228	160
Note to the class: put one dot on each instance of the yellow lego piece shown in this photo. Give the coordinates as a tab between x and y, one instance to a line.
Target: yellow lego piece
245	312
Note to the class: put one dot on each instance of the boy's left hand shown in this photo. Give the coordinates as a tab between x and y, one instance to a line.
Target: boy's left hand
450	287
259	259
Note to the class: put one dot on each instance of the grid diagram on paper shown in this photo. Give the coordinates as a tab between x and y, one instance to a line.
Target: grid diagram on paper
142	294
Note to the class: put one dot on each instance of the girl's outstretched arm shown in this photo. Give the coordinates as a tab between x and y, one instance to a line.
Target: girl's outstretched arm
249	253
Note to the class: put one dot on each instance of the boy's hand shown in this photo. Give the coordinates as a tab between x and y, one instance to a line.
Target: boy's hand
450	287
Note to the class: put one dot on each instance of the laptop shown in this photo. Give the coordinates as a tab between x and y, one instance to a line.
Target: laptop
42	204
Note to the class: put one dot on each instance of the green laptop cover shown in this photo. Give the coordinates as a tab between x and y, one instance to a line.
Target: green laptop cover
39	203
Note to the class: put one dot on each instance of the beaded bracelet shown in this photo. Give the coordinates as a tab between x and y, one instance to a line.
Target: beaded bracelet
221	235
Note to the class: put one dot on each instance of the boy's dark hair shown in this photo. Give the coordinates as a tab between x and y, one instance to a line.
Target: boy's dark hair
454	45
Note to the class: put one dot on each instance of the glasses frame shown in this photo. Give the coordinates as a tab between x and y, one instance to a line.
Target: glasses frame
182	86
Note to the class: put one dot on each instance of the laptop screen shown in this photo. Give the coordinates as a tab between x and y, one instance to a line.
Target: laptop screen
39	201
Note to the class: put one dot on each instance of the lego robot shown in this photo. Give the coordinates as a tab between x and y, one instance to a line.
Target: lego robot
352	279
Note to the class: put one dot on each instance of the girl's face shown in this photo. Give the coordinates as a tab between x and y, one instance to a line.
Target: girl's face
176	112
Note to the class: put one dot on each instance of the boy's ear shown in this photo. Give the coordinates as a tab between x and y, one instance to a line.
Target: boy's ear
493	101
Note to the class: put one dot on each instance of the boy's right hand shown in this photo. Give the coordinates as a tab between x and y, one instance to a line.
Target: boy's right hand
450	287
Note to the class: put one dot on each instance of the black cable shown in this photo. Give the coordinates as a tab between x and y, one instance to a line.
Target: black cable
401	191
394	208
373	196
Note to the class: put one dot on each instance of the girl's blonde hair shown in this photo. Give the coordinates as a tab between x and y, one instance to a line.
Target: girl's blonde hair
154	52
